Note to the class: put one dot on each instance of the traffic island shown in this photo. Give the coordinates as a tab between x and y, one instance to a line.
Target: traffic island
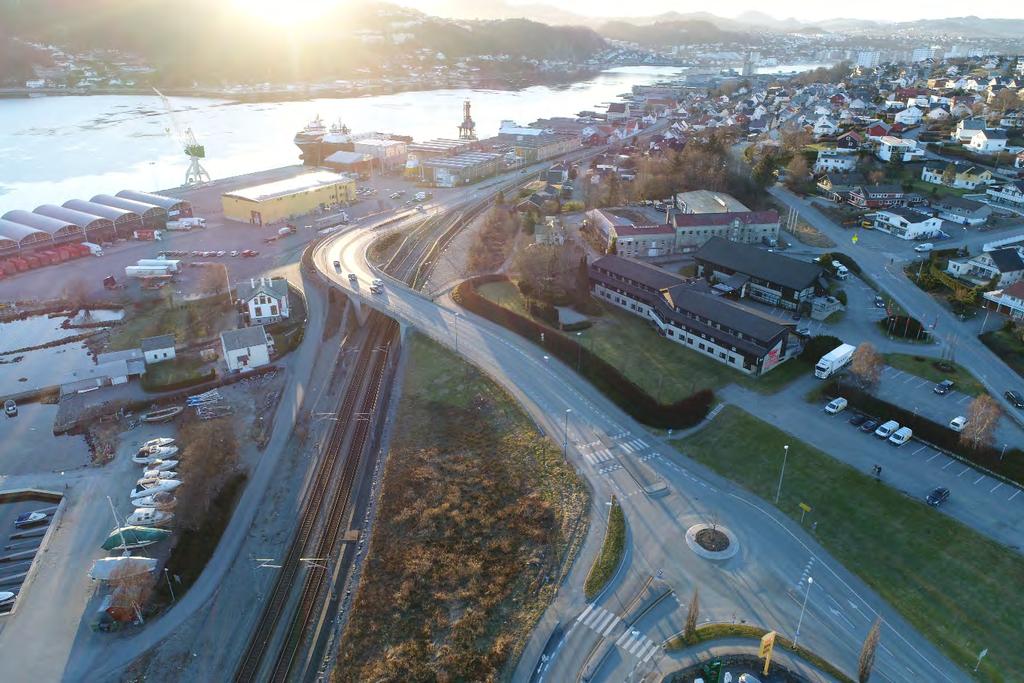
712	542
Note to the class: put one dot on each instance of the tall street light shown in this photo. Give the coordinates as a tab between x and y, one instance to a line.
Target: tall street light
799	623
565	433
457	331
579	351
785	456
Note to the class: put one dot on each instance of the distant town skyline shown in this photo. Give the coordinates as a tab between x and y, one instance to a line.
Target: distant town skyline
876	10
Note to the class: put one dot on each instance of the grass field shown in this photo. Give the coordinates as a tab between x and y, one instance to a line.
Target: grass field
925	368
957	587
177	372
1008	347
614	546
187	322
664	369
479	520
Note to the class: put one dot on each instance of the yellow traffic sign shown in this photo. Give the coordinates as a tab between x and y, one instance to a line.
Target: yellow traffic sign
767	644
805	507
855	239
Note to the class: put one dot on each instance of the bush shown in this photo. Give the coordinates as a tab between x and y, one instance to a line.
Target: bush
818	346
599	372
1011	465
576	327
612	550
841	296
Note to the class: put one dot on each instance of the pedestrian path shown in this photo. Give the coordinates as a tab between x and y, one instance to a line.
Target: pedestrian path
604	622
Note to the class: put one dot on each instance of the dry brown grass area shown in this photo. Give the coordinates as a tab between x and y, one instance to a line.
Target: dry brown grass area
478	521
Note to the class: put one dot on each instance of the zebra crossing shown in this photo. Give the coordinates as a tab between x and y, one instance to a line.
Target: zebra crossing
603	622
598	456
596	453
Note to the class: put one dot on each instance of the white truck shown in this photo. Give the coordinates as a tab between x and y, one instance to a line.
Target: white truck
94	249
146	271
834	360
842	272
170	265
186	223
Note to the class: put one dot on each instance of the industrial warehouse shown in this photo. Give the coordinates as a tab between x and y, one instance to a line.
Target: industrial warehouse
282	199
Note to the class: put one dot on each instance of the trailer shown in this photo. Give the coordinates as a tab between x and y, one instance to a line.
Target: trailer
172	265
147	235
834	360
145	271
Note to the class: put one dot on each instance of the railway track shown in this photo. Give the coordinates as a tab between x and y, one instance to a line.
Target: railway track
323	517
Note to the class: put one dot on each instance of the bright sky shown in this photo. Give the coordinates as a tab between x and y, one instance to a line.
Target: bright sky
801	9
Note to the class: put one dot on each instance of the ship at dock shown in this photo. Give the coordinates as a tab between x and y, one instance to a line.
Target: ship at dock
316	142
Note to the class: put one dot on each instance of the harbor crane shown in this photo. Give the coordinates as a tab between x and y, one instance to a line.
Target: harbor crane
195	174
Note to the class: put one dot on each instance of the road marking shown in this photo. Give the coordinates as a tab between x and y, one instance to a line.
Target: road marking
642	443
963	399
1015	494
596	615
991	490
923	382
641	644
604	621
650	652
919	450
623	637
608	630
910	378
966	470
585	612
936	454
628	643
979	479
897	373
951	461
626	447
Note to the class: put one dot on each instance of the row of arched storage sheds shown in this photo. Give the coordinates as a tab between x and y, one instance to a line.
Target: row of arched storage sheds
101	219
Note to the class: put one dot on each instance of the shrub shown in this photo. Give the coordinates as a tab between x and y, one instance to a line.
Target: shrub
604	376
818	346
841	295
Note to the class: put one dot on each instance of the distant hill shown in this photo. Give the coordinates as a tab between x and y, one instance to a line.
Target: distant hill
665	33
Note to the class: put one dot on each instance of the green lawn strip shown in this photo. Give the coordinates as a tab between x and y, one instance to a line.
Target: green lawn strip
925	368
957	587
664	369
187	322
1007	346
713	632
612	550
179	372
480	518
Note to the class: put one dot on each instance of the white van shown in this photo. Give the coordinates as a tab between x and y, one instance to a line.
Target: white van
886	429
836	405
924	246
958	423
901	436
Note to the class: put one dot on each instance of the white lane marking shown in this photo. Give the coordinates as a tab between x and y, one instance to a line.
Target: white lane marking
919	450
641	643
650	653
951	461
629	643
995	487
966	470
642	443
610	628
937	454
585	612
979	479
1015	494
623	637
594	616
604	622
963	399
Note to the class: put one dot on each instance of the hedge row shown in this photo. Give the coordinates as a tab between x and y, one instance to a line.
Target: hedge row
1011	465
605	377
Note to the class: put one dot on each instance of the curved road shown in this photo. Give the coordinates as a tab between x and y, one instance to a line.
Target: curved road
764	584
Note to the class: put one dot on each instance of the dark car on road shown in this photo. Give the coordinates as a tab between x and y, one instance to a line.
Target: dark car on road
858	420
869	426
937	497
879	302
943	387
1014	398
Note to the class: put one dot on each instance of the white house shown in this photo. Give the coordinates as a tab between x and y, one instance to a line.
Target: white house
911	116
907	224
158	349
1006	265
968	177
1008	194
893	149
265	299
825	126
966	128
963	211
938	114
1008	301
246	348
988	141
832	160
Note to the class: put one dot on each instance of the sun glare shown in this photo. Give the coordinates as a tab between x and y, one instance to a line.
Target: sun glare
283	12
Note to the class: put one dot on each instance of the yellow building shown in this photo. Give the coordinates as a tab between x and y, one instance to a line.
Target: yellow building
283	199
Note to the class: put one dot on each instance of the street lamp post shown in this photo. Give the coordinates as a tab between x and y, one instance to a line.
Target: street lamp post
785	457
169	587
456	331
565	433
799	623
579	351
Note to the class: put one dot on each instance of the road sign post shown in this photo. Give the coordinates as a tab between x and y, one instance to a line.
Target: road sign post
981	656
767	645
804	509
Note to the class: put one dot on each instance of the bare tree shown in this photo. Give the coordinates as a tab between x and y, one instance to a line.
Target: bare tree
866	661
692	614
867	365
982	416
797	171
75	293
209	462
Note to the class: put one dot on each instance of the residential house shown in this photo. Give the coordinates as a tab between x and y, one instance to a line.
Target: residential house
1019	161
898	150
106	374
968	176
618	111
851	139
907	224
878	130
988	141
833	160
938	114
1009	194
824	127
158	349
1009	301
689	314
246	348
877	196
962	210
1012	118
765	276
265	299
1004	265
911	116
966	129
837	186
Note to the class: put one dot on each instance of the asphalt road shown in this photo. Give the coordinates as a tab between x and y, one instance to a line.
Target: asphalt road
764	583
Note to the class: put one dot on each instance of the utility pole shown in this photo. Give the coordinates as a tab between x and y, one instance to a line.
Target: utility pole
565	433
785	457
803	608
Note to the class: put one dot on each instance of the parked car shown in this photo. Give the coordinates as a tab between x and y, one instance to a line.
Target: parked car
937	497
1014	398
10	407
958	423
249	253
869	426
858	419
352	277
836	405
233	253
337	266
901	436
886	429
943	387
924	246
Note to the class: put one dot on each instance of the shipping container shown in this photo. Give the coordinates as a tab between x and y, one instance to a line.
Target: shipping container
33	261
20	264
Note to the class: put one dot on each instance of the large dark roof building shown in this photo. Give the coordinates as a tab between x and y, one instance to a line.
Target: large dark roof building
772	278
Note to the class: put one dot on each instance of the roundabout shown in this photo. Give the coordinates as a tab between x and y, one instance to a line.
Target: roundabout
712	542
